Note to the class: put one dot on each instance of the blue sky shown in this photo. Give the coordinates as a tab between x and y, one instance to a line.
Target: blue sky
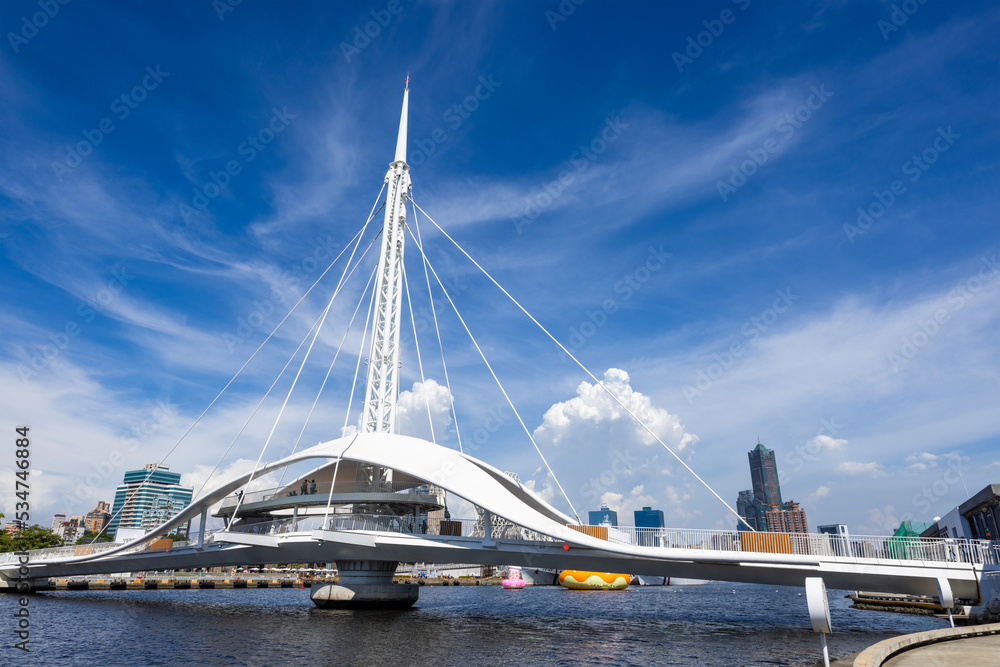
761	219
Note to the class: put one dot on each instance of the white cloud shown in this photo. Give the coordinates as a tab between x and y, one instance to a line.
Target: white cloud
872	468
602	455
821	442
594	410
821	492
413	407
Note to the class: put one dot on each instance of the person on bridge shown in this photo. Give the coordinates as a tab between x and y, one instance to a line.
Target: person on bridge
312	487
304	489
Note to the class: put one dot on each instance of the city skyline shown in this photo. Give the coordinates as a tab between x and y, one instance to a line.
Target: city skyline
780	224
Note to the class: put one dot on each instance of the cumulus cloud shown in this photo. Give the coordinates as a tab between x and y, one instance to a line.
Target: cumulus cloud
873	468
593	409
601	454
413	406
821	492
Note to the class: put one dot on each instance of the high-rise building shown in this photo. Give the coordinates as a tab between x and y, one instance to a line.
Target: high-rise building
57	521
98	518
148	497
786	519
761	507
605	514
764	475
752	511
647	517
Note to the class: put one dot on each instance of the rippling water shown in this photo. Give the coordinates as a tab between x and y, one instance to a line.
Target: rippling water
716	624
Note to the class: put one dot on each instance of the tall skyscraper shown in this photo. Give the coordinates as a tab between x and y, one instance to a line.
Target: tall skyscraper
146	503
764	475
762	507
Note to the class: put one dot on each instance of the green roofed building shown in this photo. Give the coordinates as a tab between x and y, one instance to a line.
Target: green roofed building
148	497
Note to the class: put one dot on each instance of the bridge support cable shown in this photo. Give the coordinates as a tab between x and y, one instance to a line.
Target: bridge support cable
496	379
585	369
437	330
343	281
420	363
350	401
256	408
355	238
329	370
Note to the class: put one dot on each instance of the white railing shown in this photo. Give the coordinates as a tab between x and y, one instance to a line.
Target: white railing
807	544
855	547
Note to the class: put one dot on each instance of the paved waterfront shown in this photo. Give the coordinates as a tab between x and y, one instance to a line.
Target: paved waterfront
968	652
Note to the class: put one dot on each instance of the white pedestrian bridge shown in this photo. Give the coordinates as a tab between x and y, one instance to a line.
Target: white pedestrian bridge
516	528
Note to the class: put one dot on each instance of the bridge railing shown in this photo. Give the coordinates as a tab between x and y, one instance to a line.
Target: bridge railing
874	547
39	555
324	490
806	544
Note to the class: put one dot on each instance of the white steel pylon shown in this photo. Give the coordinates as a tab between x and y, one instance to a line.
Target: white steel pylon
382	383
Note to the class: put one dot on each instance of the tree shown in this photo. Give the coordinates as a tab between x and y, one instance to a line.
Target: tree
32	537
87	539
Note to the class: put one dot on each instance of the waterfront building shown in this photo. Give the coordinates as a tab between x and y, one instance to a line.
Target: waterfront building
603	515
147	498
68	530
97	519
982	513
14	528
786	519
647	517
839	540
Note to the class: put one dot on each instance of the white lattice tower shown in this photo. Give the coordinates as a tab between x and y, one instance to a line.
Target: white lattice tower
382	383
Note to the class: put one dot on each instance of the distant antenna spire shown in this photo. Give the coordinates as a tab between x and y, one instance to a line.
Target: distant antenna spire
401	139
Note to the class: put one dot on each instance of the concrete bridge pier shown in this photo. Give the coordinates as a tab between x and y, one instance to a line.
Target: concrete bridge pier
365	584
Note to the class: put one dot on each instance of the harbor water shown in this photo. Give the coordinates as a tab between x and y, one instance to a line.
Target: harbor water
715	624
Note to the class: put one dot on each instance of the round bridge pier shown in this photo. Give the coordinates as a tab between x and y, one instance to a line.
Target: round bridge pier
365	584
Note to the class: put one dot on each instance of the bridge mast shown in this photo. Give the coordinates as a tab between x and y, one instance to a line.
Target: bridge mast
382	383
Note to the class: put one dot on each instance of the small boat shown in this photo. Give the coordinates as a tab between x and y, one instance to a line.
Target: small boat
513	581
594	581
